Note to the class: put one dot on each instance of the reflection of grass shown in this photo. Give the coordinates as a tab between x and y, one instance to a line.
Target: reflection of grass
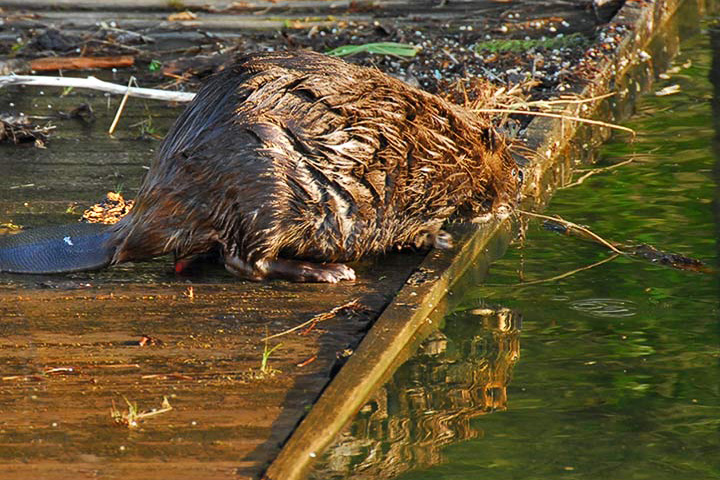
515	45
380	48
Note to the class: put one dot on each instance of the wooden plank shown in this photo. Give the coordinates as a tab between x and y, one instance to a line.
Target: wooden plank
70	15
70	348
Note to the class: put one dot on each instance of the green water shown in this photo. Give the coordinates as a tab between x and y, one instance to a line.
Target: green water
610	373
633	391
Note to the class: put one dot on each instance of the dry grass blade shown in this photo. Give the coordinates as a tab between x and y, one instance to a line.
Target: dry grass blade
121	108
560	101
557	115
351	306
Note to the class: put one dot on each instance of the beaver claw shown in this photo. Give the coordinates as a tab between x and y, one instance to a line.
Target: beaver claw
443	240
439	239
324	272
294	270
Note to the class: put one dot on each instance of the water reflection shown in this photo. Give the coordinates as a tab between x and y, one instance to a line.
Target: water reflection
458	374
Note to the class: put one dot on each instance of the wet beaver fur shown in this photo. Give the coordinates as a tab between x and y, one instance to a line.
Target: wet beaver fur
290	162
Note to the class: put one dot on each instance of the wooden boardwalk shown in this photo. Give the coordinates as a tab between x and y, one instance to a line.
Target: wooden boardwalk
73	346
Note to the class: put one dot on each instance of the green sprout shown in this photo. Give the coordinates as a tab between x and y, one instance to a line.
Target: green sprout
380	48
515	45
264	367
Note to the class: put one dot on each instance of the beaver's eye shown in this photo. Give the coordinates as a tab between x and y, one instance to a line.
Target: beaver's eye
520	176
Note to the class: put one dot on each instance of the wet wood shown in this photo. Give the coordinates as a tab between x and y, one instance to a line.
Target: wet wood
72	349
232	17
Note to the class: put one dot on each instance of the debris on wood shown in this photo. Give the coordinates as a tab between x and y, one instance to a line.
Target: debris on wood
82	112
181	16
307	362
134	416
19	129
109	211
198	66
146	340
80	63
60	371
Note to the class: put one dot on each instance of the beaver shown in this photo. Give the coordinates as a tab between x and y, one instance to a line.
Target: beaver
292	163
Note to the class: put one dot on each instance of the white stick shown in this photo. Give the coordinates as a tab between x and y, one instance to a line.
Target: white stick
96	84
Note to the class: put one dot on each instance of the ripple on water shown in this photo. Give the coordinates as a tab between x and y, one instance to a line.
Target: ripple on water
605	307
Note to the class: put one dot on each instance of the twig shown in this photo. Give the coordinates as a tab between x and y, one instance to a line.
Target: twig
584	230
561	101
557	115
118	365
122	106
95	84
567	274
351	305
307	362
641	251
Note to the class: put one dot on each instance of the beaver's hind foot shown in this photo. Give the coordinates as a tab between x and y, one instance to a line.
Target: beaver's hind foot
293	270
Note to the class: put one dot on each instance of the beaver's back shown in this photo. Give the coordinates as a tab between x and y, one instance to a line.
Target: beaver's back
303	155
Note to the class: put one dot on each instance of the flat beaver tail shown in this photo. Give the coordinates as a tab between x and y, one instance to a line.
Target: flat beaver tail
57	249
